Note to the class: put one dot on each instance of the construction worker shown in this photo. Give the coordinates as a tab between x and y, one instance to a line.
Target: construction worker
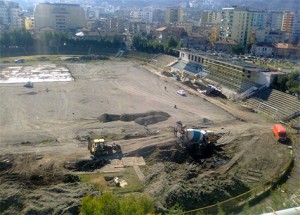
175	132
146	125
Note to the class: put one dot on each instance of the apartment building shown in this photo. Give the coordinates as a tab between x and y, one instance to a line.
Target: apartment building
296	28
210	17
141	16
29	23
158	15
236	25
115	24
287	21
274	19
259	19
262	50
59	17
10	15
266	35
163	33
173	15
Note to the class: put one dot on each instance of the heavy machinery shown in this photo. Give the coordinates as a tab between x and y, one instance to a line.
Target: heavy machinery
196	142
98	147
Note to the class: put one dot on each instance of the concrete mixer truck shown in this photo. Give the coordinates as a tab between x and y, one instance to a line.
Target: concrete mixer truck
195	141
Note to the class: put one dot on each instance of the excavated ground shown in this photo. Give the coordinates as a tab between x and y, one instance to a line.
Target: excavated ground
40	145
245	156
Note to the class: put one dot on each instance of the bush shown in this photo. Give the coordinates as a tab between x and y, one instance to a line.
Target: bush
109	203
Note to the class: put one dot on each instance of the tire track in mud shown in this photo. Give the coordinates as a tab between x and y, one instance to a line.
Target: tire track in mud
132	145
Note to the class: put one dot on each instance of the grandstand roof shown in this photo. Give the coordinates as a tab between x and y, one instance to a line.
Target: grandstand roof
229	59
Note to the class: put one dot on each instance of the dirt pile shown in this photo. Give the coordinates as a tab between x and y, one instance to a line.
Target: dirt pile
174	177
86	165
30	184
189	84
215	93
63	198
167	74
151	117
87	58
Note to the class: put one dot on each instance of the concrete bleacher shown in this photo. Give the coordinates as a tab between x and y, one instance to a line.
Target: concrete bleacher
294	121
276	103
163	60
238	87
189	67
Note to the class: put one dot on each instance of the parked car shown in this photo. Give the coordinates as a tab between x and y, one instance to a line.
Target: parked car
19	61
181	92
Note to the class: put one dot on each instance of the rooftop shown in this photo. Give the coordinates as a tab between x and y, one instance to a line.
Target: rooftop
286	46
227	41
59	4
230	59
161	29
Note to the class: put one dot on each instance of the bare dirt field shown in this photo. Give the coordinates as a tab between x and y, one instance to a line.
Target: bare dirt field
40	126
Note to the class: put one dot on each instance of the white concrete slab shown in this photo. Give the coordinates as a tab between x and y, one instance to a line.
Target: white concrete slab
34	73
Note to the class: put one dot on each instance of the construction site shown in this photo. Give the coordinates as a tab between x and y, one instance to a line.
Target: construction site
120	125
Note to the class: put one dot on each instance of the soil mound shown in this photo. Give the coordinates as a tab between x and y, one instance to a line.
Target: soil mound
109	117
167	74
151	119
19	198
86	165
148	118
189	84
175	177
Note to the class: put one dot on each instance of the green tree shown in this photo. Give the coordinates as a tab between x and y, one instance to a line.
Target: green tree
88	205
288	82
293	83
237	49
109	203
134	204
280	83
246	209
172	43
220	210
17	37
175	210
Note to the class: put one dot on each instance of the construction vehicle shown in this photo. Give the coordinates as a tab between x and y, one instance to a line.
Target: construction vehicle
98	147
194	141
279	132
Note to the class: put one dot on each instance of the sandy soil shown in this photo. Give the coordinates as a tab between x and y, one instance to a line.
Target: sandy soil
69	108
47	123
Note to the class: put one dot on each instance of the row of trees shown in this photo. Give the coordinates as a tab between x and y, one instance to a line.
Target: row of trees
147	43
288	83
16	38
141	42
25	39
